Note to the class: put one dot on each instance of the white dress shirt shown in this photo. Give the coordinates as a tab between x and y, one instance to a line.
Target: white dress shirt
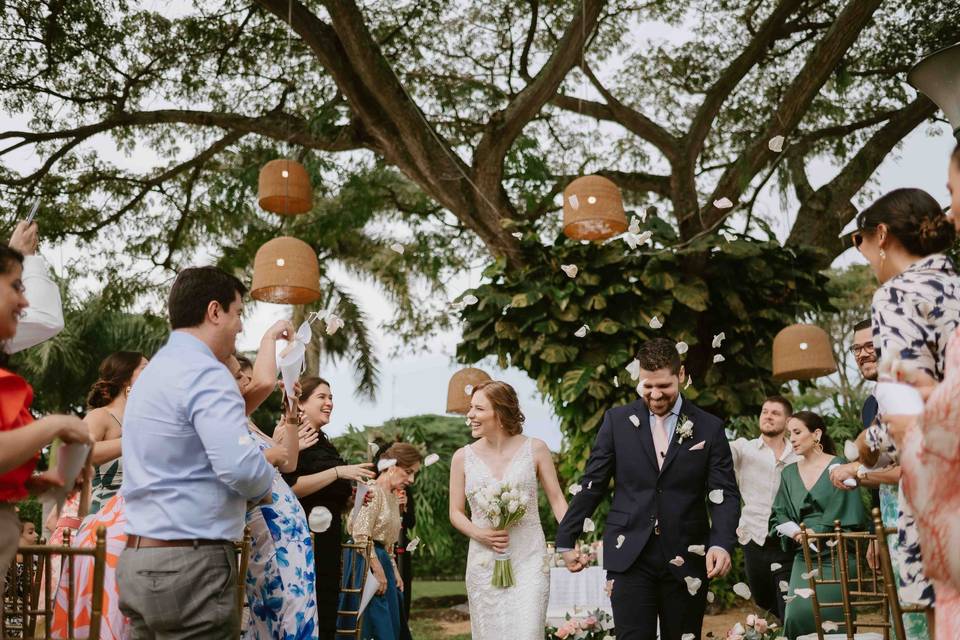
758	476
43	319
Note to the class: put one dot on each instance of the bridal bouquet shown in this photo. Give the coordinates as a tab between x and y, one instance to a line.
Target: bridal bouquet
501	504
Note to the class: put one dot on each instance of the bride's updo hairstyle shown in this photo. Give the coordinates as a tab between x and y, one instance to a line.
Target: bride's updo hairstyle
404	453
914	218
115	372
503	399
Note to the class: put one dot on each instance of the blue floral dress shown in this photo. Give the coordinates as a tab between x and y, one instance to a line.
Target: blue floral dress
280	574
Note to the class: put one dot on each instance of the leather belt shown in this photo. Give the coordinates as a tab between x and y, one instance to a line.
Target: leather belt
143	542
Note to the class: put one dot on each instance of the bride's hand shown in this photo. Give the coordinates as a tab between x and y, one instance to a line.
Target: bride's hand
499	541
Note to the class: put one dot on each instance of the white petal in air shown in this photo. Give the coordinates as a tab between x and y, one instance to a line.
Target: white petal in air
616	381
374	447
386	463
470	299
717	359
803	592
716	496
830	626
634	369
789	599
677	561
396	246
517	234
682	347
332	323
784	586
717	339
711	597
688	636
831	543
635	420
620	540
320	519
655	323
468	390
723	203
693	584
574	489
582	331
742	590
699	549
570	269
775	565
588	525
634	227
775	144
412	545
810	574
433	458
688	383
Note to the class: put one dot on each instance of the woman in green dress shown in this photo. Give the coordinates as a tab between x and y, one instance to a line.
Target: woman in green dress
807	496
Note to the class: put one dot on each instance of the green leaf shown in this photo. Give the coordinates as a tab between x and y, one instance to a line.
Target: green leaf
574	382
693	294
525	299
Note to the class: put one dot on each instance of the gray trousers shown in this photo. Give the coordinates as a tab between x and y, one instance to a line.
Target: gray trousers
9	541
180	593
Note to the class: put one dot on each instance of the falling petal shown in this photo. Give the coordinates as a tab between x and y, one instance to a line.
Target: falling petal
635	420
682	347
470	299
590	484
386	463
589	525
320	519
689	382
634	226
742	590
716	496
433	458
693	584
396	246
620	540
634	369
582	331
332	323
570	269
784	586
775	144
774	566
803	592
412	545
374	447
574	489
831	543
688	636
718	358
517	234
723	203
789	599
830	626
655	323
711	597
699	549
810	574
616	381
677	561
717	339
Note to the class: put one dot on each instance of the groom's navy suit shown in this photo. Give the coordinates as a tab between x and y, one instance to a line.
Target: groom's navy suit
656	515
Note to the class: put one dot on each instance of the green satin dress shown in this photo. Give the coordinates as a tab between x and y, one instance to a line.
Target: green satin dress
817	509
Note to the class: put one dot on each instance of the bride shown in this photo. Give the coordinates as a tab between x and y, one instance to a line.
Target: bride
502	454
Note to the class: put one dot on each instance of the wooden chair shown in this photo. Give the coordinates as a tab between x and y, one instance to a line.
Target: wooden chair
886	564
861	588
350	563
23	609
243	562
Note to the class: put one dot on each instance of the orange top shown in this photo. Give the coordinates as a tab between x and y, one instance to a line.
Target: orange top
15	398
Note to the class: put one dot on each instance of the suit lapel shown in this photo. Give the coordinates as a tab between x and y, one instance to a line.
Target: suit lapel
644	434
674	446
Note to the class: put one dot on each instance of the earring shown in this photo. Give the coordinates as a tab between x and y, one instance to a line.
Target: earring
129	389
883	254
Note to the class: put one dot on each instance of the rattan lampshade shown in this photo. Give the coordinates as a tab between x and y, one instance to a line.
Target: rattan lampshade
284	188
286	271
461	387
593	209
802	352
938	76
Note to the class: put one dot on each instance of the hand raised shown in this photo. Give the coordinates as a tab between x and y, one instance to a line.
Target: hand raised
25	238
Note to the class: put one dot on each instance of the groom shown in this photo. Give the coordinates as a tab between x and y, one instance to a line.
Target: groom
671	464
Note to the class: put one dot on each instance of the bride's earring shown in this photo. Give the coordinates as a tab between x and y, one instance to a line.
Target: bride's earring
129	389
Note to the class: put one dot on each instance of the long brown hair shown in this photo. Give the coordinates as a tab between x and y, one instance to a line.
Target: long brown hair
504	401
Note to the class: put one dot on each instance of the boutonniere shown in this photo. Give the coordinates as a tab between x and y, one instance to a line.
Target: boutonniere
684	428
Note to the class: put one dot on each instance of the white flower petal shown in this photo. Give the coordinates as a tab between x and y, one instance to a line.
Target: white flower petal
517	234
412	545
718	358
374	447
693	584
574	489
468	390
711	597
655	323
829	626
717	339
620	540
682	347
803	592
688	636
320	519
775	565
831	543
784	586
775	144
742	590
716	496
589	525
810	574
386	463
688	383
616	381
570	269
677	561
634	227
699	549
634	369
432	458
332	323
789	599
470	299
723	203
396	246
582	331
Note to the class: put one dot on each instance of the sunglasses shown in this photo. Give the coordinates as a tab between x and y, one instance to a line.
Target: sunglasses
857	239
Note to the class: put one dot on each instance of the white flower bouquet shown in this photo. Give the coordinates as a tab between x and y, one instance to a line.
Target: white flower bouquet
502	505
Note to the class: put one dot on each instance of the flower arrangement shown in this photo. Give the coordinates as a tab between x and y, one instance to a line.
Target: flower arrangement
684	428
502	505
755	628
597	625
591	553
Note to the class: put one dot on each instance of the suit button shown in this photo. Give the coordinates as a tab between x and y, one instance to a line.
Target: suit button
659	490
652	519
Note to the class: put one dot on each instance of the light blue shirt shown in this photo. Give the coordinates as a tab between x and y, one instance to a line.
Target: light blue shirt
670	422
189	463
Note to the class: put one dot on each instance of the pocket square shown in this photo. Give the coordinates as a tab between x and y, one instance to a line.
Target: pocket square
698	446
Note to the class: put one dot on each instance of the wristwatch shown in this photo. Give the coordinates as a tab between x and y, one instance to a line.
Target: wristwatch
862	472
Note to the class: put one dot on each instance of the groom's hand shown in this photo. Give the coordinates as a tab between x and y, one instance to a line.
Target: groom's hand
574	561
718	562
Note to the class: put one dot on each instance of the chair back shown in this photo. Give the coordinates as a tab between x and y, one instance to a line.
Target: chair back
886	565
355	562
27	611
840	559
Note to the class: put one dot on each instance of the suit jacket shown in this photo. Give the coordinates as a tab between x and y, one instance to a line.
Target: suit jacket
675	496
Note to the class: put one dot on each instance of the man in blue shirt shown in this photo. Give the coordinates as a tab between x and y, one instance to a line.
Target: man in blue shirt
190	468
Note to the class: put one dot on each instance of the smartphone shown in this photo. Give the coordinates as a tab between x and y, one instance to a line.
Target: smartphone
33	210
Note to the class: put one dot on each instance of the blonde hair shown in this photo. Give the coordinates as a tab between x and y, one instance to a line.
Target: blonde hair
504	401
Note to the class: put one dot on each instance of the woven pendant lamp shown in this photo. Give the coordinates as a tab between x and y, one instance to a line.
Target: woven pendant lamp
284	188
593	209
286	271
460	389
802	352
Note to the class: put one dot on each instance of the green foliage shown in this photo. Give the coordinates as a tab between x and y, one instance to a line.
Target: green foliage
527	318
443	549
31	511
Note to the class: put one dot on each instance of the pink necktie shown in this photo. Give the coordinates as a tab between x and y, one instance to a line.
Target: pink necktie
660	438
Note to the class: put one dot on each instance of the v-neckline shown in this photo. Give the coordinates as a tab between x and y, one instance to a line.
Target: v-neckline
819	476
506	470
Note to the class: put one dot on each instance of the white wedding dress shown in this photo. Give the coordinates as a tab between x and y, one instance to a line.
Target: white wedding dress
518	612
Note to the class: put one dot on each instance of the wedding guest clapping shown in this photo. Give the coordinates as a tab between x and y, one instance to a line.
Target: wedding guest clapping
190	468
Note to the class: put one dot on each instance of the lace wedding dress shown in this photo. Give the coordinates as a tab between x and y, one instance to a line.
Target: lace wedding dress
518	612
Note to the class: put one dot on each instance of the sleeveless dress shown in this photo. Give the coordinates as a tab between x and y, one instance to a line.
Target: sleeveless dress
518	612
107	478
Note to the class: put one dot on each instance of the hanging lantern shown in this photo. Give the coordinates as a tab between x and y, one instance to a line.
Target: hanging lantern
593	209
461	386
286	271
284	188
802	352
938	76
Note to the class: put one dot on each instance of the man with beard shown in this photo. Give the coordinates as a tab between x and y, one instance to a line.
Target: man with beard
758	464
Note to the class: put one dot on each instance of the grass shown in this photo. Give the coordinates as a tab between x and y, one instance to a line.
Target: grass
438	588
430	615
431	630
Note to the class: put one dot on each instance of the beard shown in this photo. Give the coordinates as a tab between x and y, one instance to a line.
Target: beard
772	429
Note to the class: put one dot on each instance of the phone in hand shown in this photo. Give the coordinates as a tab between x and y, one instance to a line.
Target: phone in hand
33	211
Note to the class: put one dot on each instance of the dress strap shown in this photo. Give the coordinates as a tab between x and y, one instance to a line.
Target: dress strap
115	419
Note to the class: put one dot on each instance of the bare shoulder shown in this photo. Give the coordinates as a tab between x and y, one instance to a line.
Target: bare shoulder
458	455
539	446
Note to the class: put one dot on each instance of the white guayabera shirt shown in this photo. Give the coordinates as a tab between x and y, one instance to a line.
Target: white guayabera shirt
758	476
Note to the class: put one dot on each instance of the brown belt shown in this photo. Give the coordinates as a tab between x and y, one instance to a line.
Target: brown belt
143	542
